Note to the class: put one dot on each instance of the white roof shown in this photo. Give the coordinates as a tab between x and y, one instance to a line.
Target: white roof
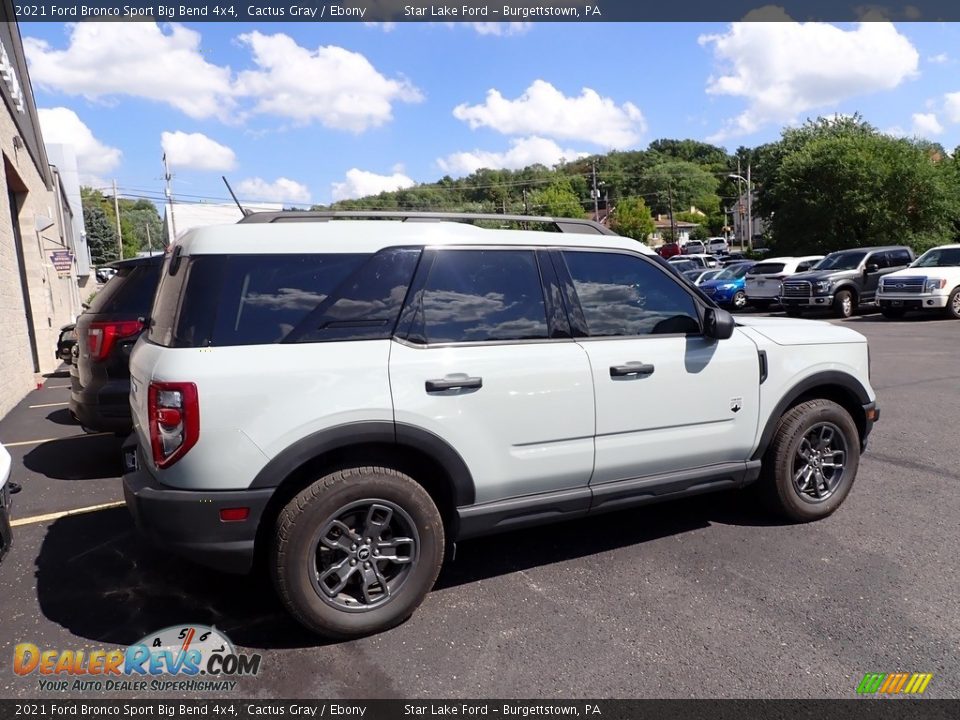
368	236
798	258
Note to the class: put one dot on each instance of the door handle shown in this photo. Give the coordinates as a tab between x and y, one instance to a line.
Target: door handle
454	382
631	368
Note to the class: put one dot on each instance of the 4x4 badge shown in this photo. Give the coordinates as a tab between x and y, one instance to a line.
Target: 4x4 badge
736	404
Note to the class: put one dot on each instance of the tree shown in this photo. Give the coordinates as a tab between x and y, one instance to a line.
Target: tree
101	237
690	184
838	182
557	200
631	218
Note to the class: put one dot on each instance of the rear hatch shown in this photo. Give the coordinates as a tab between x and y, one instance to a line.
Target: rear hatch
764	279
108	329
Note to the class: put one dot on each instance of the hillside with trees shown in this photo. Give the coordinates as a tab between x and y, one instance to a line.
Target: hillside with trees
828	184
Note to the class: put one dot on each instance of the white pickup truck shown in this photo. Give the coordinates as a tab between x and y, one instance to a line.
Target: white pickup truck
932	282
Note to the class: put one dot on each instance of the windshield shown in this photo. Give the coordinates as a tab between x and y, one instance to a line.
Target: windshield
734	272
841	261
939	257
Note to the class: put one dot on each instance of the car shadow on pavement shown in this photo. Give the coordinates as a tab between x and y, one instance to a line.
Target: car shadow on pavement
77	458
908	318
99	580
487	557
61	374
62	417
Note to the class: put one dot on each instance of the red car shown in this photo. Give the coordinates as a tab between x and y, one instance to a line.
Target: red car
669	250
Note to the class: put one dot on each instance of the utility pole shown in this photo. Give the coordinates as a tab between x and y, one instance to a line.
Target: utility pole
526	206
749	210
595	193
169	194
149	242
739	215
673	223
116	209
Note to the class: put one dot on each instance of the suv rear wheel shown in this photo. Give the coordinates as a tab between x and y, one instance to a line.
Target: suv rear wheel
812	462
357	551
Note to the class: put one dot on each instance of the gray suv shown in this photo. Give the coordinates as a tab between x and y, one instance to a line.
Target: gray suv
843	280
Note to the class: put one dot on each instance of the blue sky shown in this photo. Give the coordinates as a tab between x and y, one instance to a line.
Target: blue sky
307	113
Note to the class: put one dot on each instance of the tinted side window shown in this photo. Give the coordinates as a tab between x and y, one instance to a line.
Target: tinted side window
899	258
805	265
482	296
264	297
622	295
879	259
130	291
366	305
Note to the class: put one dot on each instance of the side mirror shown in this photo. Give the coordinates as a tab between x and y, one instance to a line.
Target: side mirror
85	306
718	324
872	267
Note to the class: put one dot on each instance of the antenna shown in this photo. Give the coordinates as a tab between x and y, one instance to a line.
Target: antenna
243	210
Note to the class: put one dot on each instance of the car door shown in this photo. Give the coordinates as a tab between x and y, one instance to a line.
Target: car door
669	400
875	266
484	360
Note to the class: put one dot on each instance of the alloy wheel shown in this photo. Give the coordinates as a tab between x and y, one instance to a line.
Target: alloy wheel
363	555
819	461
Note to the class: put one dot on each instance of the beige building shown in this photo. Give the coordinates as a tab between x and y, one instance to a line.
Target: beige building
38	269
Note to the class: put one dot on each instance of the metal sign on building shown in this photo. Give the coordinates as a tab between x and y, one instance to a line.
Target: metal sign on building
62	261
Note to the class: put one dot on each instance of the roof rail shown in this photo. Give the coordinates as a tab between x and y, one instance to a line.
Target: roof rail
564	225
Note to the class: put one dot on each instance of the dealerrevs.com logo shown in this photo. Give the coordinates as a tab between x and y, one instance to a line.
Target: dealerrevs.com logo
181	658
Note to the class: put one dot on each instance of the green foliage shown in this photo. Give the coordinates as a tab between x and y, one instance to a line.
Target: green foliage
631	218
135	217
836	183
557	200
691	186
101	236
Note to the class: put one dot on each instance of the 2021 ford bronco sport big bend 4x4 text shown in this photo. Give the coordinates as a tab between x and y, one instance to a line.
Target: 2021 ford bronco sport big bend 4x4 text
348	398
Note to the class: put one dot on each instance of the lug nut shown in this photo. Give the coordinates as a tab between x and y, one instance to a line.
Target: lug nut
366	565
352	563
353	547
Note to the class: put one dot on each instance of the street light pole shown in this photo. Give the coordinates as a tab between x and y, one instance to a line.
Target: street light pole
747	180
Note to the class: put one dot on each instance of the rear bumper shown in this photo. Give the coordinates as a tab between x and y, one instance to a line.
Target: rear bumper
6	533
188	523
105	408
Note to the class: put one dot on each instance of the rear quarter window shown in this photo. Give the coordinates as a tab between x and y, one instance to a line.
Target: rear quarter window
266	299
129	292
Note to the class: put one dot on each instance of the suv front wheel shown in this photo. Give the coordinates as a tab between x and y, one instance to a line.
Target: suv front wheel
357	551
844	304
812	461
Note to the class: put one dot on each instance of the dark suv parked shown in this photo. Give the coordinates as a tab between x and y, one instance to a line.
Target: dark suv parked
106	332
843	280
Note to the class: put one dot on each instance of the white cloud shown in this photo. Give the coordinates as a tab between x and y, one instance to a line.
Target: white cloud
196	151
926	124
336	87
280	190
139	59
939	59
61	125
784	69
361	183
544	110
501	28
951	106
522	152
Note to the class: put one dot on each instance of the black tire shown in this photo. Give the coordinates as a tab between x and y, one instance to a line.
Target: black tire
298	548
952	310
761	305
739	301
844	304
892	313
782	460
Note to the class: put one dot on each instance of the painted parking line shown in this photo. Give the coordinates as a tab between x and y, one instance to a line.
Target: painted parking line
47	405
69	437
56	387
66	513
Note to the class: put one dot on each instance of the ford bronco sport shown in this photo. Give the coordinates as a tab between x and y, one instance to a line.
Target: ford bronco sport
346	399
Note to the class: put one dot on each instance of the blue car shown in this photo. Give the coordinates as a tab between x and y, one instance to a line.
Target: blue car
726	288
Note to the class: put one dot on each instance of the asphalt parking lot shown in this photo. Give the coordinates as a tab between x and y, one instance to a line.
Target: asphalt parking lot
698	598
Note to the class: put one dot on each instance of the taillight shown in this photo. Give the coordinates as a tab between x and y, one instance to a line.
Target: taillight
101	336
174	417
